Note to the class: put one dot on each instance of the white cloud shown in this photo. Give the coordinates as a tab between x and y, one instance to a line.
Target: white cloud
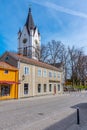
61	9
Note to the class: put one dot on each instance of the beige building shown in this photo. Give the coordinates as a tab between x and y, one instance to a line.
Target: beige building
36	78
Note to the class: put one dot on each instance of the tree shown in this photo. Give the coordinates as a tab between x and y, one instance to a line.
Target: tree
55	49
76	65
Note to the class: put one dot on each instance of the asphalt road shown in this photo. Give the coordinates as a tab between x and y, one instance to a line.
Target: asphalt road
43	113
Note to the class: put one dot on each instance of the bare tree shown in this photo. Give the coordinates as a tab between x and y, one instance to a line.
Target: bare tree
55	49
44	54
77	65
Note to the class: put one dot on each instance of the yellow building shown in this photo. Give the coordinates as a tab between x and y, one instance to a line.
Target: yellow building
8	81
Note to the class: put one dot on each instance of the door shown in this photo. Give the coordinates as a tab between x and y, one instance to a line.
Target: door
54	89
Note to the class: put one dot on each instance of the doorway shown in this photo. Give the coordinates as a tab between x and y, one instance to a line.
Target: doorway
54	89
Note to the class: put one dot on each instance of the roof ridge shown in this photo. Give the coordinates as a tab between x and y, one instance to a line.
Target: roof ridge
33	61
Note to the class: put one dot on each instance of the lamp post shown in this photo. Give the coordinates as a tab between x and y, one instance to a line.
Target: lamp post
23	77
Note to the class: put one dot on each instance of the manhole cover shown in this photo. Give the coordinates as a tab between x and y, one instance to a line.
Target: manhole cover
40	113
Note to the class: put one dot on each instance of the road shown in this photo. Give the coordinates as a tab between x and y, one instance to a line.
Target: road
54	112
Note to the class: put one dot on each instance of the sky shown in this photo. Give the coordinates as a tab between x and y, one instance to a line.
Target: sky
60	20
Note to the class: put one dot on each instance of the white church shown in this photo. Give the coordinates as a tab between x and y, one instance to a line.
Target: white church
29	39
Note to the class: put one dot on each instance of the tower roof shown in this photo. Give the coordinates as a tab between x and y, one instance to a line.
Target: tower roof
29	22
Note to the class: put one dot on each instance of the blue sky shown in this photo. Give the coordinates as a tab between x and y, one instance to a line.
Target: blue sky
61	20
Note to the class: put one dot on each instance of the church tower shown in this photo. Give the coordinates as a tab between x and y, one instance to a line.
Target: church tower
29	39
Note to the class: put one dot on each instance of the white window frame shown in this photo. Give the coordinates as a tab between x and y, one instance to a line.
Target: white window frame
26	70
59	75
50	74
44	73
54	74
39	72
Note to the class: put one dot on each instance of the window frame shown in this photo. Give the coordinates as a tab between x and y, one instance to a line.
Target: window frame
26	70
50	74
39	72
59	75
54	74
58	87
45	88
39	88
44	73
6	71
50	90
26	91
3	90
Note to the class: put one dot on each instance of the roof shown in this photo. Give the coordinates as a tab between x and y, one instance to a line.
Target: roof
4	65
29	22
58	65
24	59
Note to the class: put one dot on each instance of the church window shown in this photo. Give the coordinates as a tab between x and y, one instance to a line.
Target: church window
25	51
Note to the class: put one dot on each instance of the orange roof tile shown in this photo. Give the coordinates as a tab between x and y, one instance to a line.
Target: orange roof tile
4	65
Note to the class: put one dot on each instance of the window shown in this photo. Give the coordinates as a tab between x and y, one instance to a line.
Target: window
58	87
39	72
59	75
26	70
6	71
25	88
45	87
7	58
54	74
25	51
39	88
45	73
50	87
4	90
50	74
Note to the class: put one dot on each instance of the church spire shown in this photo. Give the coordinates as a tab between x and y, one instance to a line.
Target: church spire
29	22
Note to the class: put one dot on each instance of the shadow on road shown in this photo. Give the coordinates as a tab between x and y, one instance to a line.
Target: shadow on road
71	120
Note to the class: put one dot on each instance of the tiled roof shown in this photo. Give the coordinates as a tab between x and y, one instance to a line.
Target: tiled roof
32	61
4	65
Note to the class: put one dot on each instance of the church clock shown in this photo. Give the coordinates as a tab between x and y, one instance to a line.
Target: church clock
24	40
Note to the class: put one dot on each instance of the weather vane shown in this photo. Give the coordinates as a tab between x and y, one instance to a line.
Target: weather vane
29	7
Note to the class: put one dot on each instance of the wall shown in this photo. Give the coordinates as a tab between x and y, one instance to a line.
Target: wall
33	79
11	76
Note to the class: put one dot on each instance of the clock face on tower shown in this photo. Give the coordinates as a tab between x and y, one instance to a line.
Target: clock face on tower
24	40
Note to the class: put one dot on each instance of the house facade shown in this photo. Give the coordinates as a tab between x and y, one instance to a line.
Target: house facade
36	78
8	81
